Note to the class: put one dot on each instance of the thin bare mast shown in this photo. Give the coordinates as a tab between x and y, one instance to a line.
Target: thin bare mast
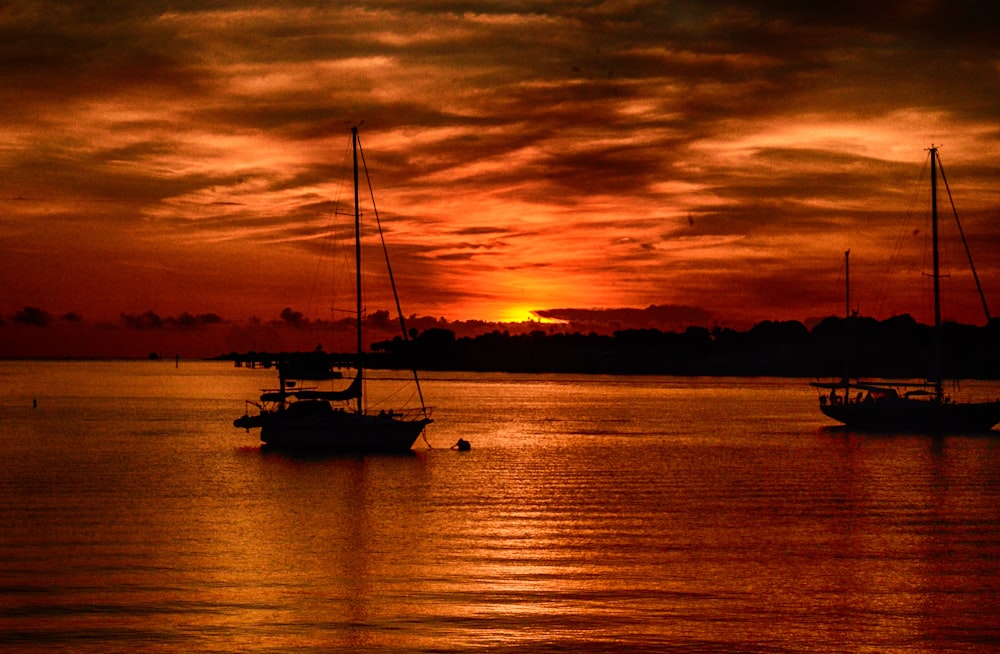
357	258
938	348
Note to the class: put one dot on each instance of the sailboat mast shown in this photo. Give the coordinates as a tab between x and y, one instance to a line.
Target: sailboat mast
847	318
937	277
357	259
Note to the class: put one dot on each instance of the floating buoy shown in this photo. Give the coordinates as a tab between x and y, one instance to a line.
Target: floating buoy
462	445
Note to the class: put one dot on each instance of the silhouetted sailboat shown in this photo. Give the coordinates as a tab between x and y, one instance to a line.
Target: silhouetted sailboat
909	407
308	418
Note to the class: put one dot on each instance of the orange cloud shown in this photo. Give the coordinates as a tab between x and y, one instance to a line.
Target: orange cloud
713	155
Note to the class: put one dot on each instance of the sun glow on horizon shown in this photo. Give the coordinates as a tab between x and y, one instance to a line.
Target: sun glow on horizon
519	314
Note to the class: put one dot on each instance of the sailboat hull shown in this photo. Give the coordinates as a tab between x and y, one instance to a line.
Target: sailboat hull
916	416
338	431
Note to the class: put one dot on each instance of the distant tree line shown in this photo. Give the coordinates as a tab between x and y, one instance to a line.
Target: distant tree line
896	347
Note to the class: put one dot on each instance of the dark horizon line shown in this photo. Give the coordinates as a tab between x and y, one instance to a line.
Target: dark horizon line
150	320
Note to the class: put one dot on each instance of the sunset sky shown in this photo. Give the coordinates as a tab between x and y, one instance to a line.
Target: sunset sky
186	158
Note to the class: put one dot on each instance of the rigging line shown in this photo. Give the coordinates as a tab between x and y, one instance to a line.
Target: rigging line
385	398
326	261
968	252
895	258
392	280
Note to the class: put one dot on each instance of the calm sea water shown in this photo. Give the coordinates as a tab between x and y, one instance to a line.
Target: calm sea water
592	514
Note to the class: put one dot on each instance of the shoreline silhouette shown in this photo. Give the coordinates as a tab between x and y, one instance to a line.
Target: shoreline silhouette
893	348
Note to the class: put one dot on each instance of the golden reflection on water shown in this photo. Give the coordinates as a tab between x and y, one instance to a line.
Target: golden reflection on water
591	514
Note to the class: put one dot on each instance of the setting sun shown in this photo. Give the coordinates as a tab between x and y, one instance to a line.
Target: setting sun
523	314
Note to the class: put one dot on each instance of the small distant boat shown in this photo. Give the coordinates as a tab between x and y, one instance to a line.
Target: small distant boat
921	407
297	417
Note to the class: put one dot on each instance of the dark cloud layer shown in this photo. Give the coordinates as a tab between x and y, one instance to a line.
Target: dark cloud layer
662	317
